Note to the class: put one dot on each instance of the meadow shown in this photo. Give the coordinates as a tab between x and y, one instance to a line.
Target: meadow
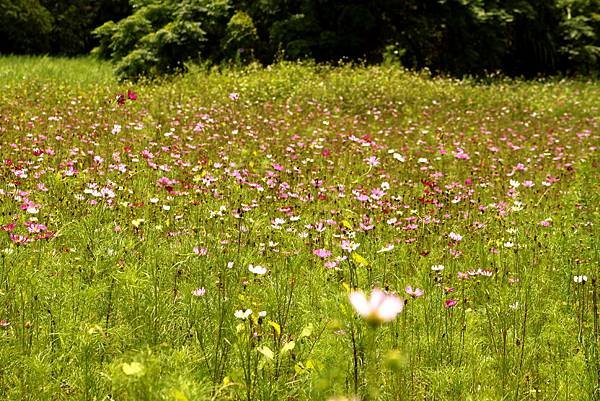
201	237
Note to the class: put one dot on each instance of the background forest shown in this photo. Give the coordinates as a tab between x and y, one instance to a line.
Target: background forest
455	37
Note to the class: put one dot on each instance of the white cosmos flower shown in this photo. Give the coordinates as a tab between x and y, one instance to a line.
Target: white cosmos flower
379	308
437	268
257	269
243	314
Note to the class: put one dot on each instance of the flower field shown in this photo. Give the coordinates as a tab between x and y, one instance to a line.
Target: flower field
297	233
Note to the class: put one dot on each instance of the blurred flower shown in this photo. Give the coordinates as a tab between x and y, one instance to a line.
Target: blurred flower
580	279
372	161
322	253
386	248
200	251
437	268
450	303
349	246
379	308
242	314
414	292
257	269
199	292
131	95
455	237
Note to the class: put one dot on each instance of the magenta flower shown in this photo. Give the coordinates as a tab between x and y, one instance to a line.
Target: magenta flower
450	303
131	95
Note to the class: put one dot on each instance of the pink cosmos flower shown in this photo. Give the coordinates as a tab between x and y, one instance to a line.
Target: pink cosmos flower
200	251
460	154
131	95
414	292
34	227
199	292
528	184
377	309
455	237
322	253
19	239
349	246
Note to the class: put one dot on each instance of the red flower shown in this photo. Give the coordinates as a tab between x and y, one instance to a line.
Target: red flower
120	99
131	95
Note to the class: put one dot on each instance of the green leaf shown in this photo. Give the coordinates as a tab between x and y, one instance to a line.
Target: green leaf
266	351
133	369
180	396
288	347
360	260
275	326
307	331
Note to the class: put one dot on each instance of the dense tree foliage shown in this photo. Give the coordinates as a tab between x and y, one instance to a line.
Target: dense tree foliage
54	26
517	37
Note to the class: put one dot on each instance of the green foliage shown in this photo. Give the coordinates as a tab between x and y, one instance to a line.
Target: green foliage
241	38
160	37
54	26
580	35
456	37
24	27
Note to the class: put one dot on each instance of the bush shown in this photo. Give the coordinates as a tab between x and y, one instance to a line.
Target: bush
160	37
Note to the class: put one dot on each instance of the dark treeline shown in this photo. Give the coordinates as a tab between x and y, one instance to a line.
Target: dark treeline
59	27
457	37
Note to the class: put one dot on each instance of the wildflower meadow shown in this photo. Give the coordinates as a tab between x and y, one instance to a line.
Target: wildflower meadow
297	232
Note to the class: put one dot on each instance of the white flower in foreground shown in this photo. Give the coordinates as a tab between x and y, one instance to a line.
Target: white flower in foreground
379	308
257	269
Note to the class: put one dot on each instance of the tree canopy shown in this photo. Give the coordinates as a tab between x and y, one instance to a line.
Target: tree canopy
456	37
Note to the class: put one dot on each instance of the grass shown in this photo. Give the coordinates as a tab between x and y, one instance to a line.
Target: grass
128	231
